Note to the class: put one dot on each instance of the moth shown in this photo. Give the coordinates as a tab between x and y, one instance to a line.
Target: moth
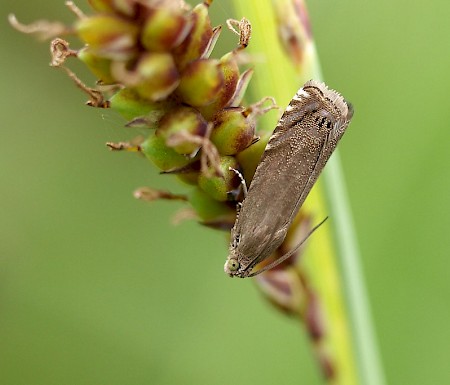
300	146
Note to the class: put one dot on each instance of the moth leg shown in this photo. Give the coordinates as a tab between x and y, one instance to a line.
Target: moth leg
243	184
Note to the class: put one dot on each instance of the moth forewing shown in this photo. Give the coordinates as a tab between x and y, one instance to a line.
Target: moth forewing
304	139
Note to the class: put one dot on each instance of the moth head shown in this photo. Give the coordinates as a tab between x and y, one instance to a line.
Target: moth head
232	266
235	264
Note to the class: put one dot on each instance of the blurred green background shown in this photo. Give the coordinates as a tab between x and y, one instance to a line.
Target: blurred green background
98	288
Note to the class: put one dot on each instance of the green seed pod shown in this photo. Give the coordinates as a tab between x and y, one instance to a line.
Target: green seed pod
130	105
164	29
109	36
198	40
165	158
230	72
190	178
201	82
188	174
102	5
183	120
125	7
159	76
209	209
233	131
219	187
99	66
249	158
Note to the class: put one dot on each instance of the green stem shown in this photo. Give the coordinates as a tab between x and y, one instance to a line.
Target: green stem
369	363
354	349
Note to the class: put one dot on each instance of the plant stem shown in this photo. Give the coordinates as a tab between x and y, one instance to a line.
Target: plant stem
369	362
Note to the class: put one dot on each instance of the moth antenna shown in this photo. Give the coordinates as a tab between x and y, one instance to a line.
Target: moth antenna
289	253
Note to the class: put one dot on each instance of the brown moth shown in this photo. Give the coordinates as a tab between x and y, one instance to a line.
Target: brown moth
300	146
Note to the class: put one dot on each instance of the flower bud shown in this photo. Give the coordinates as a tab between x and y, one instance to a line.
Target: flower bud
233	131
188	174
200	38
125	7
165	158
219	187
294	31
164	29
102	5
283	288
201	82
130	105
99	66
159	76
183	120
230	73
110	36
249	158
208	208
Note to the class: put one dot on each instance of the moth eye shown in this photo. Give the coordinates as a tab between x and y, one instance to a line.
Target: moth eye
232	264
